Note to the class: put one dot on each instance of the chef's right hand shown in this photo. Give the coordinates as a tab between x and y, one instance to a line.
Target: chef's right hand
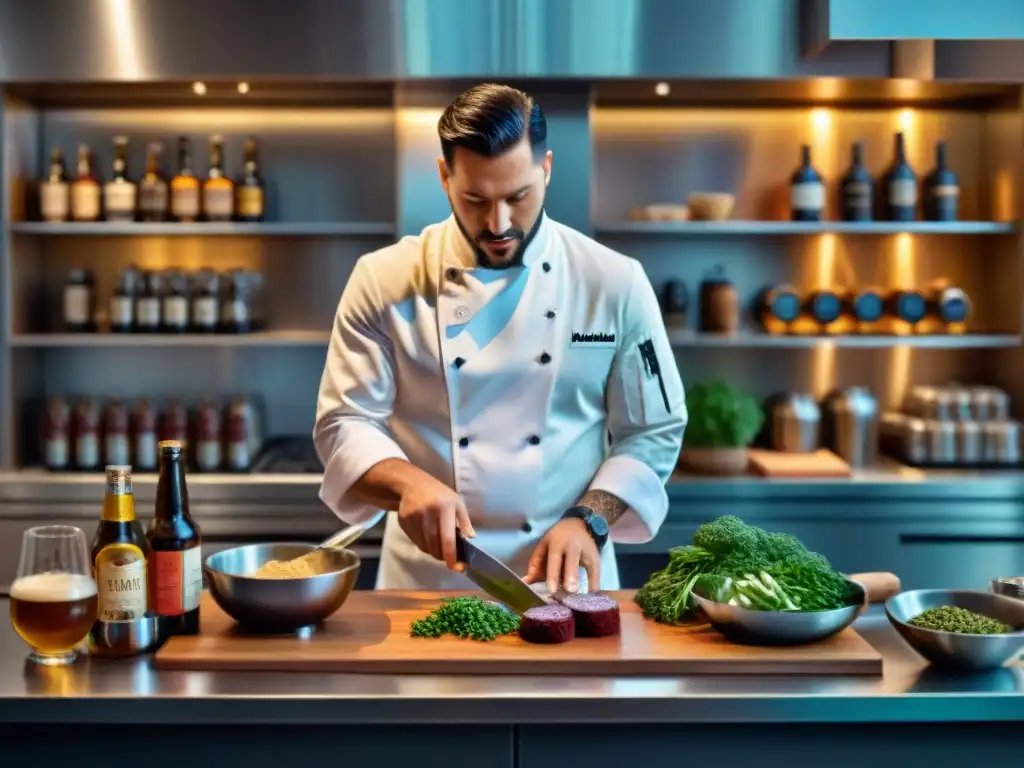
429	513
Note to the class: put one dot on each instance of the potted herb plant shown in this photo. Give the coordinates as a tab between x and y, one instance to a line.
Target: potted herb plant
723	422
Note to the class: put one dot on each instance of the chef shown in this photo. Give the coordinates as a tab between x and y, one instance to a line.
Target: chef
499	374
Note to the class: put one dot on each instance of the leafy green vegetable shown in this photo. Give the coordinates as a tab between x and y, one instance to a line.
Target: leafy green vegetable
744	565
467	617
721	416
949	618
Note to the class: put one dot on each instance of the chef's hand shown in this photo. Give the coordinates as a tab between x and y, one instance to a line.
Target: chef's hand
429	512
566	548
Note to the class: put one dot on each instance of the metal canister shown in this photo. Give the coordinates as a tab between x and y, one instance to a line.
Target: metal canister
960	403
915	441
989	404
929	403
794	424
941	441
850	425
1000	442
968	442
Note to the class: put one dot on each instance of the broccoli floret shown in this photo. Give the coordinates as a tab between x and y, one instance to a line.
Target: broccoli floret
728	536
784	548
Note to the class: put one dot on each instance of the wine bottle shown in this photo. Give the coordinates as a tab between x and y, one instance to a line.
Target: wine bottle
941	191
806	190
900	186
858	189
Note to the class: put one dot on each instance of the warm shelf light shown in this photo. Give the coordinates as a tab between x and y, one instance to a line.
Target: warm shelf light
243	88
199	88
662	89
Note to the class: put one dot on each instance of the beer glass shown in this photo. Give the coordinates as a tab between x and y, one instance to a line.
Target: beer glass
53	597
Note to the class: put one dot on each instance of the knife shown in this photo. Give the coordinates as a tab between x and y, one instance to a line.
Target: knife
494	577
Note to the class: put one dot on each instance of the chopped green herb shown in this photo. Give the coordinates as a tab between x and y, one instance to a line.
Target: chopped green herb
467	617
949	618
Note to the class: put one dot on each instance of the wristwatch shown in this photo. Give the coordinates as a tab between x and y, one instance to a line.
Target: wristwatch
597	526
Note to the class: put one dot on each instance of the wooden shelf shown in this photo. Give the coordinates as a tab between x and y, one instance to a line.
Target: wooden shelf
685	338
135	340
199	229
755	228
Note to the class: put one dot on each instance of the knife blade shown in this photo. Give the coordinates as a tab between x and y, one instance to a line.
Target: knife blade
494	577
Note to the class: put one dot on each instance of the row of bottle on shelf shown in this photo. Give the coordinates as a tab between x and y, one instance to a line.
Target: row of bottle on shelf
154	198
168	301
942	307
85	433
899	195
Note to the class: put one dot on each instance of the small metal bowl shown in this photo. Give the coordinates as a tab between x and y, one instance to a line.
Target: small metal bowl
1009	586
953	649
750	627
278	605
131	637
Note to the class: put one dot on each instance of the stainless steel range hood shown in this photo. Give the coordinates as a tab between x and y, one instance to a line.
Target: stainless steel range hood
827	22
167	40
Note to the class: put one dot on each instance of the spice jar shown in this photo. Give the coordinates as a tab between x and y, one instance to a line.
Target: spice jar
56	434
675	300
719	303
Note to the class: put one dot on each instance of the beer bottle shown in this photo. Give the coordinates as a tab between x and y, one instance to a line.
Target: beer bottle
173	536
119	552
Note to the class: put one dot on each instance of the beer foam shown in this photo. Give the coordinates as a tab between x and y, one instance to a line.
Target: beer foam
53	587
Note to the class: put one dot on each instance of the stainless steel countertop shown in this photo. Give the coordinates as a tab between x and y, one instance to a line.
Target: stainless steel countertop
908	691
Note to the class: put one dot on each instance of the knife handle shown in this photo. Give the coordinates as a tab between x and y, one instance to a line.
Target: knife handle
460	547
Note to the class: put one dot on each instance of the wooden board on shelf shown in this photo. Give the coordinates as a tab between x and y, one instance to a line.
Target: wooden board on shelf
370	634
820	463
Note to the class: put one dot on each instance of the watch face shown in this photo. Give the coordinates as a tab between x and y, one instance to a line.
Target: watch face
598	525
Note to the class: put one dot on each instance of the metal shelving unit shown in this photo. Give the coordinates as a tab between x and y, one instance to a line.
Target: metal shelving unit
151	340
767	228
171	229
681	338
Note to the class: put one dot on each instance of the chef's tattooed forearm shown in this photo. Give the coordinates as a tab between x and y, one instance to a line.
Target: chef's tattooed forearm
607	505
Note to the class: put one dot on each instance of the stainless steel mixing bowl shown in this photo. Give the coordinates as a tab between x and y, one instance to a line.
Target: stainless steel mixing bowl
278	605
952	649
742	625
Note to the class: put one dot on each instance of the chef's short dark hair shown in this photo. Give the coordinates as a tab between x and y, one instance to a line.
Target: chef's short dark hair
489	119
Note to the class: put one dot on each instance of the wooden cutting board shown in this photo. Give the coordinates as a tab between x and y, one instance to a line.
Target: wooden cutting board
370	634
819	463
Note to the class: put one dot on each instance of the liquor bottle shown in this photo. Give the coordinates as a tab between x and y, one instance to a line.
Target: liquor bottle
185	186
85	431
153	186
85	189
218	189
120	193
941	191
858	189
234	309
122	303
115	433
147	304
176	544
80	302
175	302
119	552
54	191
806	190
251	191
144	442
205	302
56	434
900	186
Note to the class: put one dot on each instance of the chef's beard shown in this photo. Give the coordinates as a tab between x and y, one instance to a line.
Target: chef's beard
483	259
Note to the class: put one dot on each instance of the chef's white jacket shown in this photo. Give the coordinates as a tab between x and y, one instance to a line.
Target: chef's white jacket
521	388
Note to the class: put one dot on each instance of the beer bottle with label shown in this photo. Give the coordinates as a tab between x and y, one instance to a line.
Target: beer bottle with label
119	552
177	582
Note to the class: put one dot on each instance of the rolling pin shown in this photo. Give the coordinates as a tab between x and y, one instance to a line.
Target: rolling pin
879	585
